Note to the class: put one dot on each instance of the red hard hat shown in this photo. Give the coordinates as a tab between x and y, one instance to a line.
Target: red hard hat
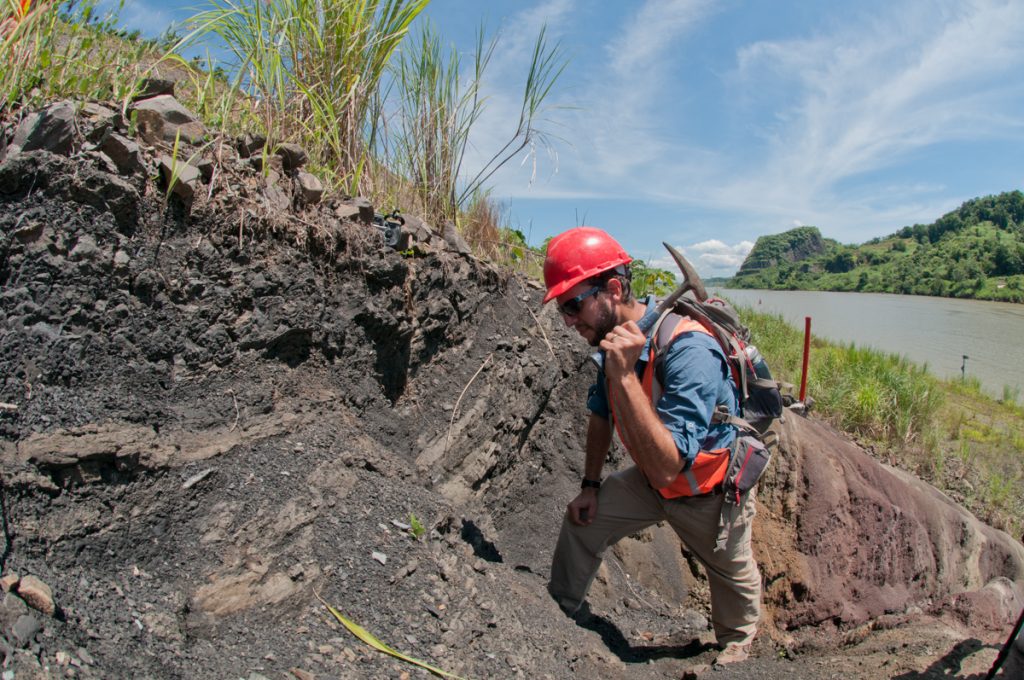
578	254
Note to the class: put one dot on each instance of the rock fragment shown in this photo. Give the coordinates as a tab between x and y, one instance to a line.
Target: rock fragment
366	211
162	119
454	239
99	120
293	156
152	87
37	594
196	478
51	129
124	152
251	144
182	178
25	630
311	190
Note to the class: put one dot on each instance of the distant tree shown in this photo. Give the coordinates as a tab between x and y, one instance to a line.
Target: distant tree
649	280
1007	260
841	262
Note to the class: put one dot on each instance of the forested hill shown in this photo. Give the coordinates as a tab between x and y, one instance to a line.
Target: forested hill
975	251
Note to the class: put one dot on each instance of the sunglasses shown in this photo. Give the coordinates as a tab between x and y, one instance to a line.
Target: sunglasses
573	306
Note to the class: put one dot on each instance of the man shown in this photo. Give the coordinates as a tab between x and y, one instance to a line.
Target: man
661	402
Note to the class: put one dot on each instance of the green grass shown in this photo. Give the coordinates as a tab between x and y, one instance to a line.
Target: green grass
951	433
68	50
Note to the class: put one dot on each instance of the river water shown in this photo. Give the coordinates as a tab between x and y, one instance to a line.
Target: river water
932	330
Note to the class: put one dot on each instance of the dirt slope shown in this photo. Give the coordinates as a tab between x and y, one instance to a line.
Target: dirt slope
209	418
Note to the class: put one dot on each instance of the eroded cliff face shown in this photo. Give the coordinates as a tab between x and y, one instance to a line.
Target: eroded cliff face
215	410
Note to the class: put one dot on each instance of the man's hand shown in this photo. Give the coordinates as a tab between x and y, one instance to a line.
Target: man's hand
622	347
583	508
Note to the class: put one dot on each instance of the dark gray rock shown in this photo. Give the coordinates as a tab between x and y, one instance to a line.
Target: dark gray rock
85	249
346	211
454	239
25	630
294	156
311	190
182	178
52	129
11	607
251	144
420	235
273	163
366	210
98	121
206	167
153	87
124	152
276	196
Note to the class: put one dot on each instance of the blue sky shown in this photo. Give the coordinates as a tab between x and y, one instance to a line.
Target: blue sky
709	123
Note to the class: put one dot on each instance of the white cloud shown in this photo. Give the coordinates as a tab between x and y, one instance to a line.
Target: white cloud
651	33
870	96
710	258
802	122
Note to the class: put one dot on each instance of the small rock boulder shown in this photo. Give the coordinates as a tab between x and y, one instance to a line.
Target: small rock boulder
98	121
11	607
293	155
37	595
250	144
52	129
261	163
25	630
164	119
154	87
346	211
124	152
366	211
182	178
454	239
311	190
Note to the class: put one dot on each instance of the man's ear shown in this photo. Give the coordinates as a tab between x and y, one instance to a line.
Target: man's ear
614	289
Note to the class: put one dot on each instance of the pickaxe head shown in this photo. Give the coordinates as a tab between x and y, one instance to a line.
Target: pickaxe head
691	279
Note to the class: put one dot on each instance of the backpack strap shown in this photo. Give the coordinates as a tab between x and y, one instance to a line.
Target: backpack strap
722	415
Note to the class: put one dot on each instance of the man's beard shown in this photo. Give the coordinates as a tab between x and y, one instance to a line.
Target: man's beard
603	326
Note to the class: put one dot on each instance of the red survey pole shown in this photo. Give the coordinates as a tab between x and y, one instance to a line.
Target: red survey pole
807	355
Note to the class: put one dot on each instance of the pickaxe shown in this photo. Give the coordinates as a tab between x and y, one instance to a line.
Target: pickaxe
691	281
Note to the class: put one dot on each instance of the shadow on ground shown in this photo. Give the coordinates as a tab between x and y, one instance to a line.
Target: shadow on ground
629	653
950	665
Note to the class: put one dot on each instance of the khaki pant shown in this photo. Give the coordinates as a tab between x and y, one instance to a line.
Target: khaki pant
626	504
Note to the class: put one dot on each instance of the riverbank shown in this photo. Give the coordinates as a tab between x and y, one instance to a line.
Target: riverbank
931	331
949	432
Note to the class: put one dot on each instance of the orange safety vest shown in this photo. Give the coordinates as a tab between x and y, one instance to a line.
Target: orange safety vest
707	472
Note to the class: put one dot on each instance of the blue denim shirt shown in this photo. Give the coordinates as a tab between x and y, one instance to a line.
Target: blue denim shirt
695	378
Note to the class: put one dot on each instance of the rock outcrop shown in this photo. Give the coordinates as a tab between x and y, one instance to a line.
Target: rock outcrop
215	411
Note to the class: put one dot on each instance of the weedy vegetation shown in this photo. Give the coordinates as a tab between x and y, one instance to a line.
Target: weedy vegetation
950	433
382	112
416	527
